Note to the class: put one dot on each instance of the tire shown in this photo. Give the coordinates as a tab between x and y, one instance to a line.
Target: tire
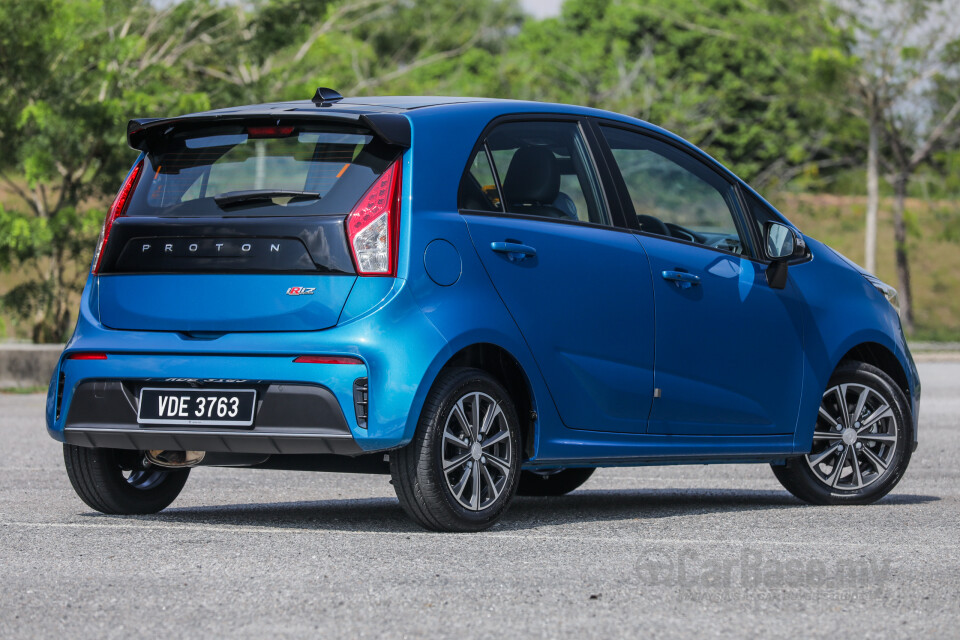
481	479
552	483
112	481
872	447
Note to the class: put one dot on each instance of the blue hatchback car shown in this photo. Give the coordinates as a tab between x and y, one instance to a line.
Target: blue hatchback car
482	298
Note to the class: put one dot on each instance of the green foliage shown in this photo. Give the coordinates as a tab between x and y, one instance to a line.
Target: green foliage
912	221
743	79
74	72
22	237
286	48
760	84
47	253
948	220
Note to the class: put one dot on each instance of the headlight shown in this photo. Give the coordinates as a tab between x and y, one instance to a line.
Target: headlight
888	292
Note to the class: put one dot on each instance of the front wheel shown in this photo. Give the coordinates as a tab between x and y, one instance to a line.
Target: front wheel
115	481
861	442
460	471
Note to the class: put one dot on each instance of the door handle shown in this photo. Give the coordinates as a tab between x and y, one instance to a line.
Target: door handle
514	250
683	279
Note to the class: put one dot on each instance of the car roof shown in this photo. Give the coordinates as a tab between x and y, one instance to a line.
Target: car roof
413	106
416	107
372	104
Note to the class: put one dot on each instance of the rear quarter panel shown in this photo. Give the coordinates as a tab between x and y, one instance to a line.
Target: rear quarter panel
469	311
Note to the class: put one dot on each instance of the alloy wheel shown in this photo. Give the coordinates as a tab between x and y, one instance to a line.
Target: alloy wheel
855	439
476	451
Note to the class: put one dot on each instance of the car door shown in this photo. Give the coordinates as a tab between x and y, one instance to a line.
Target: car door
728	346
536	212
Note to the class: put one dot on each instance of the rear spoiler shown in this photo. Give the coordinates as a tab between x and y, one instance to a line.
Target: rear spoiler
392	128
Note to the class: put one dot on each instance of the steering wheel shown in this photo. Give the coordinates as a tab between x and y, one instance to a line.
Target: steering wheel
651	224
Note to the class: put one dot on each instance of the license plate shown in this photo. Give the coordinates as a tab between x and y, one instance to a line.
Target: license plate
220	407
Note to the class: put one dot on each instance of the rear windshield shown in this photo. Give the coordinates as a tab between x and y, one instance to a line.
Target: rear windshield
254	169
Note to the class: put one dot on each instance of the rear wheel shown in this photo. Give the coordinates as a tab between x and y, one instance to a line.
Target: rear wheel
460	471
115	481
555	482
861	442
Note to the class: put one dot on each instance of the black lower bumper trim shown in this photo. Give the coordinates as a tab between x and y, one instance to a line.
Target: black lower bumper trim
215	441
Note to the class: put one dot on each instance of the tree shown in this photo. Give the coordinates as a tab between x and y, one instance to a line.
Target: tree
734	76
910	59
74	71
287	48
871	85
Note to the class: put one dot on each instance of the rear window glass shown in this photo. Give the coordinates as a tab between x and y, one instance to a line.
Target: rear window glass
254	170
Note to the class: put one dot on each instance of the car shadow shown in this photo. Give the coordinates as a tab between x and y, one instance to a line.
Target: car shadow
612	505
384	515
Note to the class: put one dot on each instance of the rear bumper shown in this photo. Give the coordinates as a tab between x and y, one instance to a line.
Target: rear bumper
301	408
373	325
290	419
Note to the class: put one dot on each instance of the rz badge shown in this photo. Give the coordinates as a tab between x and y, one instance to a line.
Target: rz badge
301	291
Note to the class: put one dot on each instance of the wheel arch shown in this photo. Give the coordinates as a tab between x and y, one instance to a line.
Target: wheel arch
871	346
872	352
882	358
507	370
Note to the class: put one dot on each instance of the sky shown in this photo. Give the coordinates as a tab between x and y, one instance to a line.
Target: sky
541	8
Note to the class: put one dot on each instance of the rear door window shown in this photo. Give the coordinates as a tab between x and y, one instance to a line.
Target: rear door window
541	169
250	169
478	189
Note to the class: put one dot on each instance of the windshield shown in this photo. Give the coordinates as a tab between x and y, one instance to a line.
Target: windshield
252	169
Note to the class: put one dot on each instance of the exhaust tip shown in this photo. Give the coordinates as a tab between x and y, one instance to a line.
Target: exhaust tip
174	459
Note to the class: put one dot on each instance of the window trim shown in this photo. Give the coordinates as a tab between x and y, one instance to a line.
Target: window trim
496	177
742	194
737	211
591	148
535	218
750	218
468	174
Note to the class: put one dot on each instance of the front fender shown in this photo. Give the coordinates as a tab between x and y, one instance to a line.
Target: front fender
842	311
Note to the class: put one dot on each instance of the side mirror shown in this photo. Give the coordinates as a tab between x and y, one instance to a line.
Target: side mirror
782	244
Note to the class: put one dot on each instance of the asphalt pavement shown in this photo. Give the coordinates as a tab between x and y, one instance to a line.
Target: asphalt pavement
683	551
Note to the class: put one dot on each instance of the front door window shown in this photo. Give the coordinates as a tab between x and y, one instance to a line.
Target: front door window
674	195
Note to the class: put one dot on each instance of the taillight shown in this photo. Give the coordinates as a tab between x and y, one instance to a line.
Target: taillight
117	209
87	355
373	227
269	132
